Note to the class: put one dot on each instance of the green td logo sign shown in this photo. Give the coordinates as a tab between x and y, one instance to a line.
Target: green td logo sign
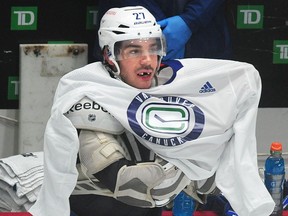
250	16
91	17
280	54
24	18
13	87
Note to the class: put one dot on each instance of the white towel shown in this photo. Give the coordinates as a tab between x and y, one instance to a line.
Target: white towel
5	176
28	205
32	195
22	190
24	164
5	198
6	168
29	181
34	171
4	207
20	179
22	170
12	193
23	187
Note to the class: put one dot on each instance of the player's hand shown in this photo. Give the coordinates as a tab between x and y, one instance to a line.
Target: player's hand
149	184
175	181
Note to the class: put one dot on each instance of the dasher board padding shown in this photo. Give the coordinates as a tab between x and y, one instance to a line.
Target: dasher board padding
41	67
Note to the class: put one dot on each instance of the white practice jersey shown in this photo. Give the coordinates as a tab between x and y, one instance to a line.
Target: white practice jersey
201	119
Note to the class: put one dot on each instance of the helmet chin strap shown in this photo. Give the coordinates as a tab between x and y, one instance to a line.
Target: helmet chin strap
110	64
113	68
116	65
155	81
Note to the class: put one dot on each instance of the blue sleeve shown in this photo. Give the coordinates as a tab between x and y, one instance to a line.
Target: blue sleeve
198	13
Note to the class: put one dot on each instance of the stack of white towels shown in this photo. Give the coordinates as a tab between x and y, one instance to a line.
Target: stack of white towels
21	177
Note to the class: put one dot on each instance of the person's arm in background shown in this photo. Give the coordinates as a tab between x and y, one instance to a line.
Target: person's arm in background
198	13
178	29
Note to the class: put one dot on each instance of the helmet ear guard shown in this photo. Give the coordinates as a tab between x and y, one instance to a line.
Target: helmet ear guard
108	61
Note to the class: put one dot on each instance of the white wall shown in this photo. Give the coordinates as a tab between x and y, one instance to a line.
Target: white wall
8	132
41	67
272	125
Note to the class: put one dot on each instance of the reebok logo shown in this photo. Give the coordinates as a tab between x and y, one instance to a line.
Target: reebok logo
207	87
89	105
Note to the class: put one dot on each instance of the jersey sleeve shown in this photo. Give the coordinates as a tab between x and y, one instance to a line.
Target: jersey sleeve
238	165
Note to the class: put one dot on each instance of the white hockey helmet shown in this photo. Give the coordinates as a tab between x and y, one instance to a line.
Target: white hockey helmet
129	23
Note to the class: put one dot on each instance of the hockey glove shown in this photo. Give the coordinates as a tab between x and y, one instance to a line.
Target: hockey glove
149	184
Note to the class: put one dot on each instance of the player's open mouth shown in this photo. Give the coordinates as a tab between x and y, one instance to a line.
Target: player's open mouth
144	74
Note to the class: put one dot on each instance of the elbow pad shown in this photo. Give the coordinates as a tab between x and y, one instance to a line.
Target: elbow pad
98	150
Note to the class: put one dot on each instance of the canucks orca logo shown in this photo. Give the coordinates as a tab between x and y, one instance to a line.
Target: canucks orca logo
167	121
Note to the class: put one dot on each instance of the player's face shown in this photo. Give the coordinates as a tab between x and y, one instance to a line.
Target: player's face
138	62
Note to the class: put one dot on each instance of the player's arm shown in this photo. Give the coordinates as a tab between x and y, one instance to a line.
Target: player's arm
146	184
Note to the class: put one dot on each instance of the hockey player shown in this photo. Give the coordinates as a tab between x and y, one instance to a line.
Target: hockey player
132	54
146	132
106	150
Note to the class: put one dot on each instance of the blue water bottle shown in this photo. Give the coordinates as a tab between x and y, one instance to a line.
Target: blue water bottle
183	205
275	175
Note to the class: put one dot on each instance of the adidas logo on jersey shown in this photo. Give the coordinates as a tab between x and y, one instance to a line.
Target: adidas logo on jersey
207	87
